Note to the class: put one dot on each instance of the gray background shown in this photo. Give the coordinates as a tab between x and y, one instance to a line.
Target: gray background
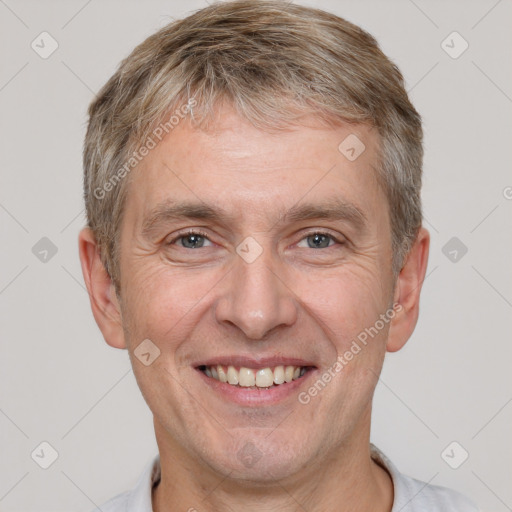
59	381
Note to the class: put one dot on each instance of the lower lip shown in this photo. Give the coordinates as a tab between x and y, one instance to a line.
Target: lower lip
255	397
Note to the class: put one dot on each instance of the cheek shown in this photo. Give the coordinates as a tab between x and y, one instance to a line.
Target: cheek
345	301
348	306
163	304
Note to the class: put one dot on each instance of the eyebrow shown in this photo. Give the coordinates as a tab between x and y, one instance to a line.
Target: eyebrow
332	209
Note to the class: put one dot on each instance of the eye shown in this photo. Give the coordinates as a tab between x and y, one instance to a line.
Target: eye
192	239
196	239
318	240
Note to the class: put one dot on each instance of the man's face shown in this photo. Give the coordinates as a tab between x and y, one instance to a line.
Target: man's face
256	289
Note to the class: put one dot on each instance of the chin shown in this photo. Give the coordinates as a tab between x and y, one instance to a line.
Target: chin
256	459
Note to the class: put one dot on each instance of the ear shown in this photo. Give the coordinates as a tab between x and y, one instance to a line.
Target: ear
102	294
407	292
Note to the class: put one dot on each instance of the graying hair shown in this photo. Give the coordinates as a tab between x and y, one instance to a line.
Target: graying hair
276	63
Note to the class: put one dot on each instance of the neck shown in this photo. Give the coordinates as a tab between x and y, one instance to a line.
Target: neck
348	481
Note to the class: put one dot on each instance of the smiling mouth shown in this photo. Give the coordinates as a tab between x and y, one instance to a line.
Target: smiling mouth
266	378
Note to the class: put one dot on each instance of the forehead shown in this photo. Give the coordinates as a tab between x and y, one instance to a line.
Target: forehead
233	169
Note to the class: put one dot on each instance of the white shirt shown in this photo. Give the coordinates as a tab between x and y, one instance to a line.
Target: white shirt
411	495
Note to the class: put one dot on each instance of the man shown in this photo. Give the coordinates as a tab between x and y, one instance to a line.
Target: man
254	239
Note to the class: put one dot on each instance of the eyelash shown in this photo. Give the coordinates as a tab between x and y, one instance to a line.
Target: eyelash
205	235
188	233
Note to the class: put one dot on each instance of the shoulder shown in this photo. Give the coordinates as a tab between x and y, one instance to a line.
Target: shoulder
413	495
117	504
139	498
418	496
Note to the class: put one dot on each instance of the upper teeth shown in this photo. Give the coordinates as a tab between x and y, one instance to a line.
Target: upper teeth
262	378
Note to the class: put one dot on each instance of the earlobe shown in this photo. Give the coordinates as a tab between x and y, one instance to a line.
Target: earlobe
102	295
407	292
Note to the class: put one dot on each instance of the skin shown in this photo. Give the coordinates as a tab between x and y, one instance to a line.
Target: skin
294	300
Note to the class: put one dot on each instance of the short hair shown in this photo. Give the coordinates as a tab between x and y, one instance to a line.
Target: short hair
274	62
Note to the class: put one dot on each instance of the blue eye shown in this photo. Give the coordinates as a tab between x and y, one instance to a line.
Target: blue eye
318	240
196	240
191	239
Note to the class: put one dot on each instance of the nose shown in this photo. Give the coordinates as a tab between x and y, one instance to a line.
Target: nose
256	298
